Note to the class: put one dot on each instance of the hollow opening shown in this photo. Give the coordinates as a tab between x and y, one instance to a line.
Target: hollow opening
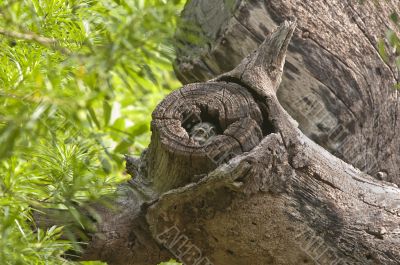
204	119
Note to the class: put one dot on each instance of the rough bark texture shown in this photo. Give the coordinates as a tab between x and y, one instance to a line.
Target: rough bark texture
260	191
335	83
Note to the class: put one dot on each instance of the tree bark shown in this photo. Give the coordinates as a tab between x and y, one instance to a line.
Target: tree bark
260	191
335	83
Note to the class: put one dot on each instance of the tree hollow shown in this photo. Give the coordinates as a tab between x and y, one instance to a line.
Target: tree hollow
176	157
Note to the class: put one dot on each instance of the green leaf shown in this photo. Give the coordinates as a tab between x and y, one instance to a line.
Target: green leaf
123	146
139	128
107	112
8	136
395	17
382	50
106	165
93	116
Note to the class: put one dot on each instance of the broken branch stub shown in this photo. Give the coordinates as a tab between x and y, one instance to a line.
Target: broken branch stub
235	106
240	105
178	153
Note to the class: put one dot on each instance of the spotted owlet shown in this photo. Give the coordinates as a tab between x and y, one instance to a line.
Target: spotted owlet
202	132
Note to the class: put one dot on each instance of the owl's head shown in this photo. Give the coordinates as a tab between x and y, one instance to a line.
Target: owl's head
202	132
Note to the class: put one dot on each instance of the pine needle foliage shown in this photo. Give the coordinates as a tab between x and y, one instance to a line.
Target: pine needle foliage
78	81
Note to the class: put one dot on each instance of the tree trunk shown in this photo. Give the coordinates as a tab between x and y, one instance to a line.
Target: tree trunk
257	190
335	83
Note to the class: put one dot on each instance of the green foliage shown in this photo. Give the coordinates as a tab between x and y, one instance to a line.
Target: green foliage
389	48
78	82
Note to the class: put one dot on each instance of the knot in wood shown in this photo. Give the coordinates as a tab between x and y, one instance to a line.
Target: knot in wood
200	126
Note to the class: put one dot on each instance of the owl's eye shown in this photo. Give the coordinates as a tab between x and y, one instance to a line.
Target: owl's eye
211	131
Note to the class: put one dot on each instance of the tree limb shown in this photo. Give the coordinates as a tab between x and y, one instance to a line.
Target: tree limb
30	36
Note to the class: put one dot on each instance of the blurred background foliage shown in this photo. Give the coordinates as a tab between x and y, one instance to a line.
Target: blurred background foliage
78	82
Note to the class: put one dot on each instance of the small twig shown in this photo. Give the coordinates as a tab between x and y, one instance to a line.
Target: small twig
47	42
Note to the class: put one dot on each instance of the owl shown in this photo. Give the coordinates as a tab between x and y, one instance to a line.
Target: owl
202	132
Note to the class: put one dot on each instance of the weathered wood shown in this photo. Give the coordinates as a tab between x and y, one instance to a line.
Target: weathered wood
286	201
335	84
228	106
